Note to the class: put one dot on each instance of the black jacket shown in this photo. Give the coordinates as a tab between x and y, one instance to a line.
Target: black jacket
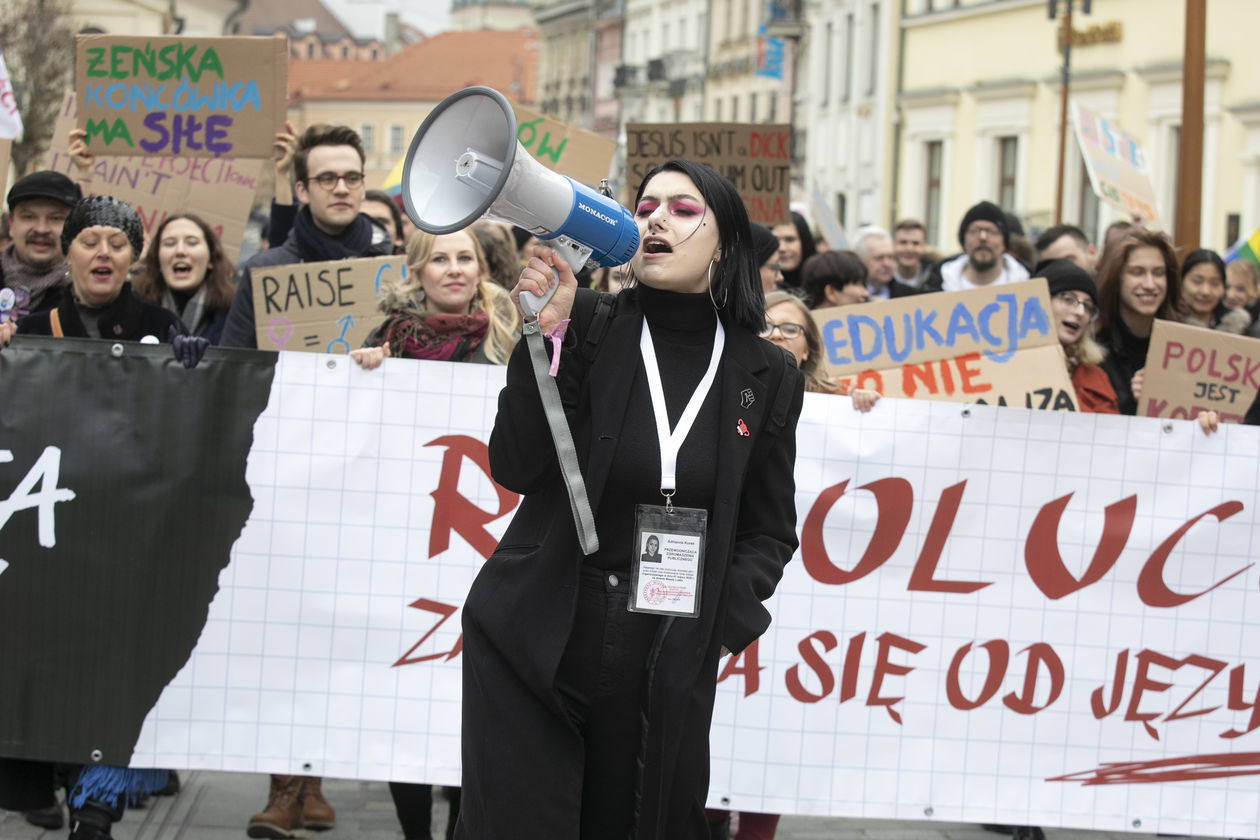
520	609
1126	355
126	319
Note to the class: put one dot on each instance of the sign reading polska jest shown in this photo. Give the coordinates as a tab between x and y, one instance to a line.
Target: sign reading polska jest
193	97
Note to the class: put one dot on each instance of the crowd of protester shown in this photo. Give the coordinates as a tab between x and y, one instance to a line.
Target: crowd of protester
81	267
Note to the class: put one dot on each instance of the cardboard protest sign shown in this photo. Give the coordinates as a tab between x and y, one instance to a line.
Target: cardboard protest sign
325	307
189	97
995	345
1116	166
757	159
1192	369
220	191
582	155
5	147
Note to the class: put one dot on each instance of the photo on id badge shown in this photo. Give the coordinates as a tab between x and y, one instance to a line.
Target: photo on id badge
666	578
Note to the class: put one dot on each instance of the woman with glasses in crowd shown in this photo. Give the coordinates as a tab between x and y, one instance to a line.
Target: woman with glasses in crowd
1074	304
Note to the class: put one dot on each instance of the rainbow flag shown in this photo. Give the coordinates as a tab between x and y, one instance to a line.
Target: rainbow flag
1246	249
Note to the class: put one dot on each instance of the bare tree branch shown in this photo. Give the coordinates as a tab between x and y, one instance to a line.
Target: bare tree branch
37	37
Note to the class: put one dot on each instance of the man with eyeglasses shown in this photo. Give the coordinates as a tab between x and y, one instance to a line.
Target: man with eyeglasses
328	168
984	236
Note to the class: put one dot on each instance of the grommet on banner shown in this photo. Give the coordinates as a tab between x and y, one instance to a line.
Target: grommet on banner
332	364
1168	428
928	811
306	766
966	412
1137	823
97	755
116	351
726	800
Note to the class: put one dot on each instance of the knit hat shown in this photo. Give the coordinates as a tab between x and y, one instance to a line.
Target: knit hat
108	211
1066	276
45	184
985	211
765	243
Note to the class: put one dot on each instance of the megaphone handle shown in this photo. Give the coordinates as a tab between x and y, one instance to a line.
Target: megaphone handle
569	250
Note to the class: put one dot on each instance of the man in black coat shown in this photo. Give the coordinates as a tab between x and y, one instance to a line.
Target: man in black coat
32	266
874	248
328	166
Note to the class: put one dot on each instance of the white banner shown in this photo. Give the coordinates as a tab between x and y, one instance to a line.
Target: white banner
997	614
10	119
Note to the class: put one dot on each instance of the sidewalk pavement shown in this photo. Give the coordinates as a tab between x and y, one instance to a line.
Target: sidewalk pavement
216	806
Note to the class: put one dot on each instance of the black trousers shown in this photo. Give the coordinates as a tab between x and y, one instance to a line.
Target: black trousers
603	681
414	804
28	785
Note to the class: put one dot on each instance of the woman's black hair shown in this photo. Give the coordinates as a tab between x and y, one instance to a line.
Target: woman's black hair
1200	256
796	276
836	269
736	281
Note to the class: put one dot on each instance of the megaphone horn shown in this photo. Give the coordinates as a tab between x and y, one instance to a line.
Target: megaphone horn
465	163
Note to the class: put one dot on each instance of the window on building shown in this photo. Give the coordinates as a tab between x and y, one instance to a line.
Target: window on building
1087	206
934	150
872	69
1008	154
345	52
734	109
730	20
774	106
702	32
367	133
842	210
395	139
665	36
717	110
310	49
847	88
827	65
752	107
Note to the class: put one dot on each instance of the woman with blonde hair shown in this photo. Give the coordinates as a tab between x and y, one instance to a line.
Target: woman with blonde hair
789	325
446	309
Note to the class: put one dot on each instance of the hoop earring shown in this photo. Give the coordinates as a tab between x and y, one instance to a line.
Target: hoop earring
716	305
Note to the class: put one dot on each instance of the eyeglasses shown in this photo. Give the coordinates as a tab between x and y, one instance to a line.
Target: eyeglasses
787	330
978	230
328	180
1071	301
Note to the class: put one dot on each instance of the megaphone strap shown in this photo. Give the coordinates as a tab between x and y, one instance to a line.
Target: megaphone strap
566	452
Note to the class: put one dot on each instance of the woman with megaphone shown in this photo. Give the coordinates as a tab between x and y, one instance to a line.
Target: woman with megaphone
589	679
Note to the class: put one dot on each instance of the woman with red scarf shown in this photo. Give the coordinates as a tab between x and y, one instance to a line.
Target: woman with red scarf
446	308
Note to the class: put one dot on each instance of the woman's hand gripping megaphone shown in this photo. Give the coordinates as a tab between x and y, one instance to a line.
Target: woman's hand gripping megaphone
545	272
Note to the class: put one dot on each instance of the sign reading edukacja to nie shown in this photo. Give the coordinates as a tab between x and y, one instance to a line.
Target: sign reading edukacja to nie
995	345
191	97
757	159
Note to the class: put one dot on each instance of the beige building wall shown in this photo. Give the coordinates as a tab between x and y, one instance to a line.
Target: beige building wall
152	17
390	124
985	72
565	62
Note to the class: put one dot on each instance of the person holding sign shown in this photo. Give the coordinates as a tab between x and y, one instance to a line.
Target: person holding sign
589	680
445	308
328	167
1074	303
1138	282
187	272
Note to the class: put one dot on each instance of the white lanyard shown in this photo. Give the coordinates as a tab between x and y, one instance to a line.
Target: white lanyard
671	442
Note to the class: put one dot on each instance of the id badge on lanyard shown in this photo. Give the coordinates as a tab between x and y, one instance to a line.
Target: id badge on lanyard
667	557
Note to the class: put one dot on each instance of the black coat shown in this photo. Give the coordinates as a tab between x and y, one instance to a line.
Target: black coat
126	319
519	776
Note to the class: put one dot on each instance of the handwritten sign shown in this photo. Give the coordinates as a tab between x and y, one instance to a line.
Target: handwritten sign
1190	370
219	191
995	345
582	155
1116	166
325	307
757	159
189	97
5	151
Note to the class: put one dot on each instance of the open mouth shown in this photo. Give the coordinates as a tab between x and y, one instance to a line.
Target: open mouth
102	272
181	269
653	245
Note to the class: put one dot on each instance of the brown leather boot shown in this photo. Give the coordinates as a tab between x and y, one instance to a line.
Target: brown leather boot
317	814
283	814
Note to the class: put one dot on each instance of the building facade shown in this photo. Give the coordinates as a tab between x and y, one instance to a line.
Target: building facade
978	111
566	61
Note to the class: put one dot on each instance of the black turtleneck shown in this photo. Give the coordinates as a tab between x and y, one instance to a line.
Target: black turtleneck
683	327
1126	355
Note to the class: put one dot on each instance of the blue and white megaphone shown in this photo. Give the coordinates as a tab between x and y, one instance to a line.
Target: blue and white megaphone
465	163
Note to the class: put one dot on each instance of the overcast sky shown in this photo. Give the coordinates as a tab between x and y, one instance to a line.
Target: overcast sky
367	17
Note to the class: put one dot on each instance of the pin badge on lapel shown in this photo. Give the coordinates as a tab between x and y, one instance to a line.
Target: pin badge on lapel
745	398
741	428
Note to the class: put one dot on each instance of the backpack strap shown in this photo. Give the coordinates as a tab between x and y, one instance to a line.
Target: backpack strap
54	323
597	325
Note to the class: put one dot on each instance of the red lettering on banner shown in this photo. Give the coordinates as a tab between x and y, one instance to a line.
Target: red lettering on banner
745	664
894	498
1038	654
453	512
1151	587
923	579
884	668
445	611
1096	703
999	654
852	660
1238	704
1041	551
813	659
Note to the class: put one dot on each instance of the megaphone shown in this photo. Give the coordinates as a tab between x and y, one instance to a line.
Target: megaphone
465	163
